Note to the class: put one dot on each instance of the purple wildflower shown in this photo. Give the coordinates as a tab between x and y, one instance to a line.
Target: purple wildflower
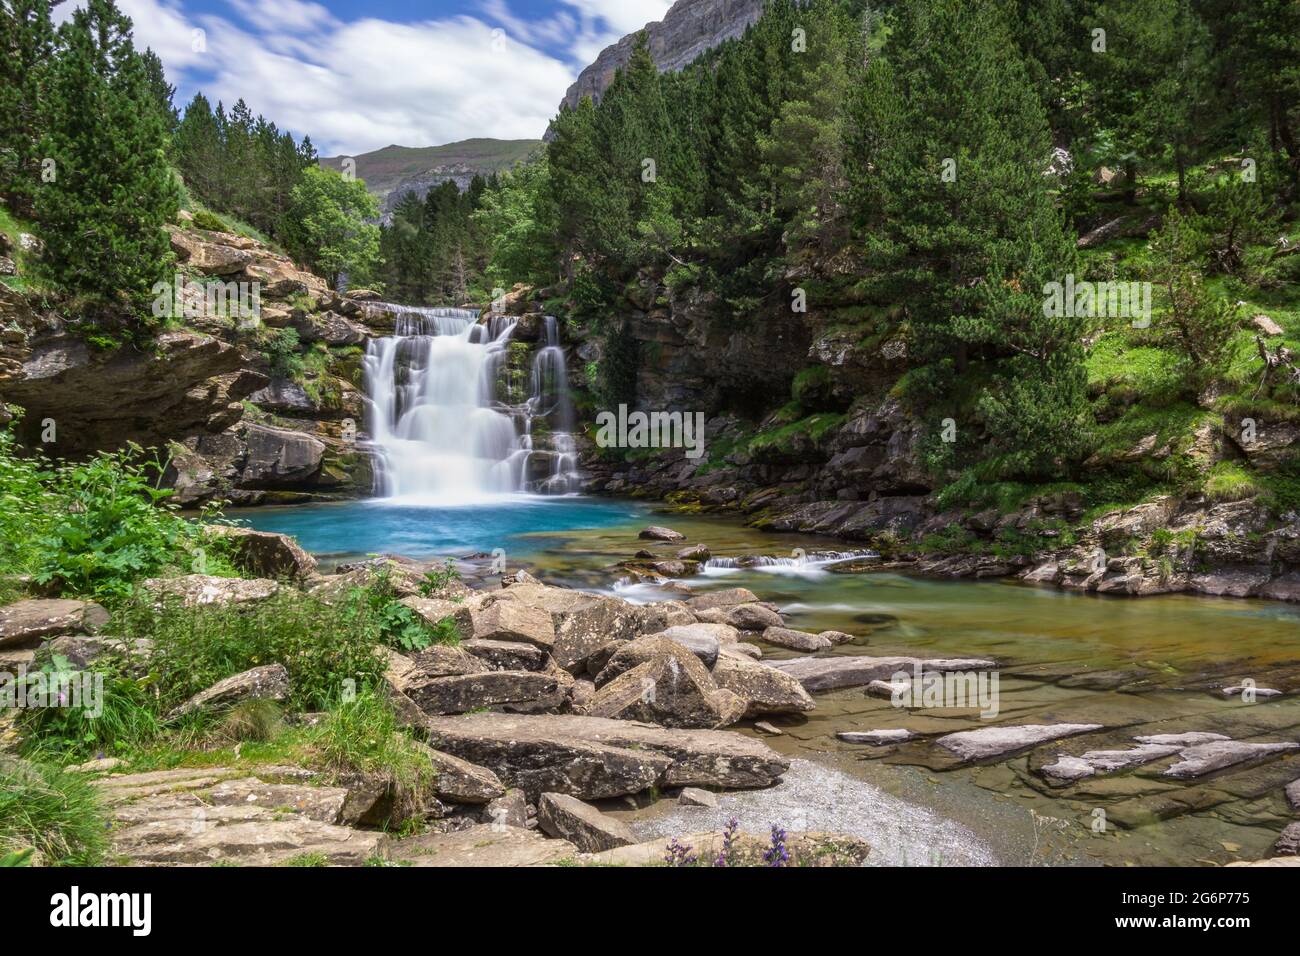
777	854
728	840
679	855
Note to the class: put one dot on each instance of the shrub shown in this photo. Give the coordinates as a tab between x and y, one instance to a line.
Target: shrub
106	528
51	811
204	219
320	644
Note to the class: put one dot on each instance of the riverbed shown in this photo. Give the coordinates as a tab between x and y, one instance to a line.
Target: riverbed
1136	666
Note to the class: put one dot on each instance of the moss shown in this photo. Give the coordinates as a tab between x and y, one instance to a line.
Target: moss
792	438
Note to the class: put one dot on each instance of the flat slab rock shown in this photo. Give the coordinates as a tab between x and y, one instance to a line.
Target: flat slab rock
197	817
594	758
1201	759
987	743
832	673
492	845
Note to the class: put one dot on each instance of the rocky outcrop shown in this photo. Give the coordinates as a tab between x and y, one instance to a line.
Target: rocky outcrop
689	29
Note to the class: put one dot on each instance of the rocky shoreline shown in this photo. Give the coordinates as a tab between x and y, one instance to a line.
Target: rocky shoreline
557	701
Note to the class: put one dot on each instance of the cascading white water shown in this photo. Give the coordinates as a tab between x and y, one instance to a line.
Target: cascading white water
433	417
440	430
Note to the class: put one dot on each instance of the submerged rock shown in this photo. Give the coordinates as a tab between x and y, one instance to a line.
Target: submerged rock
833	673
1069	769
1201	759
876	738
989	742
660	533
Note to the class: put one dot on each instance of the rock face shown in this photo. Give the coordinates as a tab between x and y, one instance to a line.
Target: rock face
265	553
568	818
689	29
592	758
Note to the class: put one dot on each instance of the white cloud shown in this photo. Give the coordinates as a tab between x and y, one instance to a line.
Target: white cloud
356	86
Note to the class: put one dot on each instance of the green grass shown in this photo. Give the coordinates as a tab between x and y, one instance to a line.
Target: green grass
52	811
1229	481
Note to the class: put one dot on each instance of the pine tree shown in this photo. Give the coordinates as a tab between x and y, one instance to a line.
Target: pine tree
967	237
26	47
103	215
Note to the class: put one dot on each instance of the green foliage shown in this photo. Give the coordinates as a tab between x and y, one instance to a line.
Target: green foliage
1229	481
435	250
1199	323
54	812
108	527
330	226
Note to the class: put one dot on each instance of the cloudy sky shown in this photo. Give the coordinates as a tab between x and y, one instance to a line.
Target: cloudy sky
360	74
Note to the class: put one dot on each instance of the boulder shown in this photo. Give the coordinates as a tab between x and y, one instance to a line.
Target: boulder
1288	844
508	810
702	640
279	457
194	590
568	818
764	689
592	758
332	329
795	640
270	682
465	692
436	610
584	626
459	781
695	797
670	686
658	533
81	651
28	622
721	599
987	743
508	655
264	553
514	621
1202	759
697	553
753	617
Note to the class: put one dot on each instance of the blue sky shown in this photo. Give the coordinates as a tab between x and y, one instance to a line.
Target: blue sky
360	74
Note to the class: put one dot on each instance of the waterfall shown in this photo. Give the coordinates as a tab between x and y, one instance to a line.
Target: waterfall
556	472
439	415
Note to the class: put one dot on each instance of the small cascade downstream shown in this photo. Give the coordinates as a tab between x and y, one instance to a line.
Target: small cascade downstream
440	417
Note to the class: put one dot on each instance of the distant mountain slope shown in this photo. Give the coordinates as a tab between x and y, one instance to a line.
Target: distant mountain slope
395	170
688	29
